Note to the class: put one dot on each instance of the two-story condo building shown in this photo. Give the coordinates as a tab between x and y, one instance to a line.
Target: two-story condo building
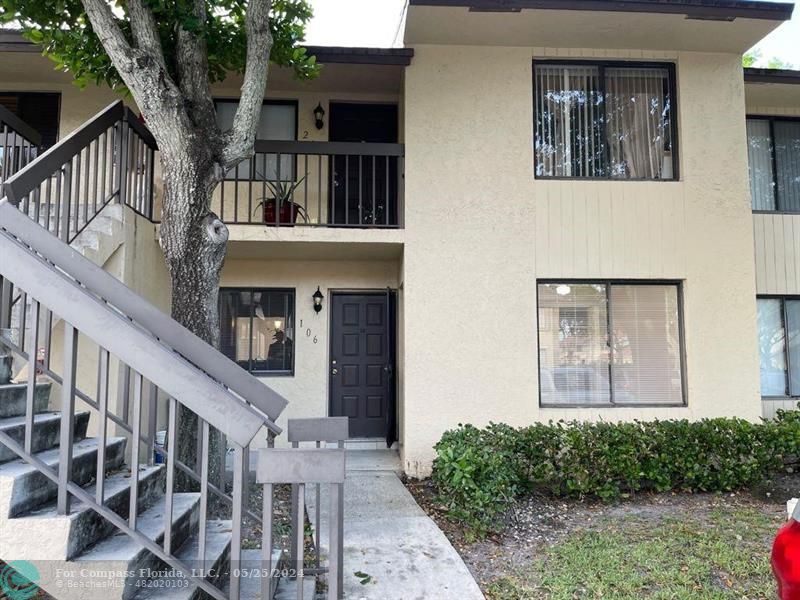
533	211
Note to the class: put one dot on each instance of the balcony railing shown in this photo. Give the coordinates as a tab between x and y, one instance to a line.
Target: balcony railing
19	143
317	184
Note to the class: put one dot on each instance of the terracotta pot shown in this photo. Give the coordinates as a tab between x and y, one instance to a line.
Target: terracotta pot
287	214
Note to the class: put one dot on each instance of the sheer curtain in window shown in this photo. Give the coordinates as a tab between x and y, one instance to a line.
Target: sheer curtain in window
759	157
793	338
772	347
568	121
646	347
637	116
787	161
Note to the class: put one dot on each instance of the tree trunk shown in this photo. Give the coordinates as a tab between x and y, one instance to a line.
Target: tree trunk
194	242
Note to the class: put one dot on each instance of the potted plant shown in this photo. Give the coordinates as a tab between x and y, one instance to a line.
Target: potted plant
281	202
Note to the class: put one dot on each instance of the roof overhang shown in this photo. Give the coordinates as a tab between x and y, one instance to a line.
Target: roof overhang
784	76
772	89
693	25
12	41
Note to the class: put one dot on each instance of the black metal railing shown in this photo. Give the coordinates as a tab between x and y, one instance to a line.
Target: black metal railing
318	184
19	143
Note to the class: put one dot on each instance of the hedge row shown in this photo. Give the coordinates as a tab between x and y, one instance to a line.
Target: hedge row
478	472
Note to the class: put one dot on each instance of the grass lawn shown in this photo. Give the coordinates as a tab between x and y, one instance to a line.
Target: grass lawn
719	553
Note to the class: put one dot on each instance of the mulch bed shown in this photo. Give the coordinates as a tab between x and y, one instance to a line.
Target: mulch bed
538	522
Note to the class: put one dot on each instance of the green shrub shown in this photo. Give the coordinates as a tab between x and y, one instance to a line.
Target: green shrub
478	472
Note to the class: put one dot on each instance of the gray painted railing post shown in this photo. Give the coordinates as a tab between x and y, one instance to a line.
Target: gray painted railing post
322	430
236	517
67	417
122	163
66	199
301	467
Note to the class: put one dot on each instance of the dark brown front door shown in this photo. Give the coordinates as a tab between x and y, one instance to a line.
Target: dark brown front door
360	362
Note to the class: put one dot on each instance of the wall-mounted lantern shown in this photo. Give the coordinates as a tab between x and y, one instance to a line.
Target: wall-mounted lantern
319	113
318	297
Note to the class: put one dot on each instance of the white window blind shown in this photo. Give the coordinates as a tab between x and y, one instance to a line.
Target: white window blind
607	343
646	365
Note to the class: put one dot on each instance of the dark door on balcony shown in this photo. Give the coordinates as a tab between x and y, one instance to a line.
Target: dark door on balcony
364	190
362	363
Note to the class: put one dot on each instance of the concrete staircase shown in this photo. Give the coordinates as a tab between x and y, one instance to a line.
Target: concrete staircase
85	548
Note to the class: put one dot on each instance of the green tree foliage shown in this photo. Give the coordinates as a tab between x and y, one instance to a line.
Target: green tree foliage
62	29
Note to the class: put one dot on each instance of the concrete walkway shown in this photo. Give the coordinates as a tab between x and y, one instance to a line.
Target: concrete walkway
388	537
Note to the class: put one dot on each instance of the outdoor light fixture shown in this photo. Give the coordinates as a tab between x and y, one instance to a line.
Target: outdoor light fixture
278	325
317	300
319	112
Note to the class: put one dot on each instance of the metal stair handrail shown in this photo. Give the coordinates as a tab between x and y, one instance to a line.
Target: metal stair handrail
24	183
114	331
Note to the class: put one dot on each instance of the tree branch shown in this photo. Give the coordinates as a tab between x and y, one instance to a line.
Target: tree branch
192	67
145	30
107	29
259	44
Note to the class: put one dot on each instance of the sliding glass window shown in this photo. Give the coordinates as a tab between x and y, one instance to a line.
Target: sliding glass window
773	151
605	120
779	346
257	329
610	344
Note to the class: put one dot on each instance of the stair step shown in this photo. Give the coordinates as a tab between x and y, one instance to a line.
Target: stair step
30	489
218	548
13	397
46	431
287	589
86	526
251	586
123	555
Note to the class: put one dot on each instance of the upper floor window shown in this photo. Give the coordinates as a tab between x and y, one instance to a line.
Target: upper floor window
605	120
773	152
278	121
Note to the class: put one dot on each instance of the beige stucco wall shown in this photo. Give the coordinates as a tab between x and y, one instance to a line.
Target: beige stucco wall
475	213
307	389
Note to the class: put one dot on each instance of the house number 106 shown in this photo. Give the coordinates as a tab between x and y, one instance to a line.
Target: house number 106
308	332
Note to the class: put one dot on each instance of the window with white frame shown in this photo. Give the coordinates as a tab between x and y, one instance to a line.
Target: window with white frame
278	122
779	346
610	344
609	120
